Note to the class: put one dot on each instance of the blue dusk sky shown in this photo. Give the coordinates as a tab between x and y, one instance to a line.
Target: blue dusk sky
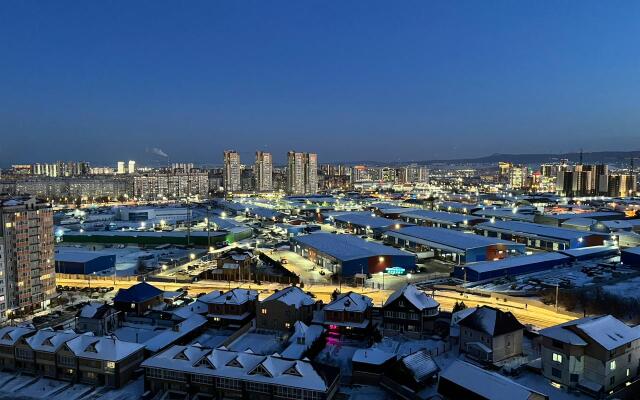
350	80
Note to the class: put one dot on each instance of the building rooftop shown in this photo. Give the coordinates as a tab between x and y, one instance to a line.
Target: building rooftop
443	237
293	296
347	247
137	293
102	348
491	321
365	219
440	216
513	262
80	256
415	296
350	301
533	229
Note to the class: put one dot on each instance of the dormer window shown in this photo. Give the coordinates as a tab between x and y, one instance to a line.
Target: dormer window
292	371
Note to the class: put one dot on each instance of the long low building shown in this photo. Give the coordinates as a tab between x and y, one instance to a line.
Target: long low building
540	236
361	223
198	238
451	245
510	267
83	262
631	256
440	219
350	255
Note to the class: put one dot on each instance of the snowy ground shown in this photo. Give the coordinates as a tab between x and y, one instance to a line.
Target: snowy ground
26	387
628	289
212	338
137	334
259	343
339	352
403	346
364	392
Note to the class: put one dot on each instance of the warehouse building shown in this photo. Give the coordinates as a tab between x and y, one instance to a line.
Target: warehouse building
349	255
539	236
440	219
83	262
451	245
510	267
560	218
631	257
360	223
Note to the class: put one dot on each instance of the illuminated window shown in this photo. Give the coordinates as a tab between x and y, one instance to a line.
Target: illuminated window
557	358
612	365
263	311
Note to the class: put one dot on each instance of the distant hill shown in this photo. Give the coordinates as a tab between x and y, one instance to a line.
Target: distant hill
605	157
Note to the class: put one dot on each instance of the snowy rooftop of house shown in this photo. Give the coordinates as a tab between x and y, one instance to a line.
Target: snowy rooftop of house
170	336
563	333
93	310
491	321
245	366
415	296
292	295
347	247
303	337
609	332
184	312
514	262
102	348
526	228
350	302
9	335
440	216
373	356
235	296
210	296
420	364
489	385
446	238
48	340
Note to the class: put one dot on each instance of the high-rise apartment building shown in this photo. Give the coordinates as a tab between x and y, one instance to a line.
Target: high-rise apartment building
131	167
518	176
302	173
231	174
263	171
26	255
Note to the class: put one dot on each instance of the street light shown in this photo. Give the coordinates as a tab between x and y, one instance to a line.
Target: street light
382	274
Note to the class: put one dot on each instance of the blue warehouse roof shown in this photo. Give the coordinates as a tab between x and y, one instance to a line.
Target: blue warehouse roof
512	266
79	256
539	230
347	247
442	237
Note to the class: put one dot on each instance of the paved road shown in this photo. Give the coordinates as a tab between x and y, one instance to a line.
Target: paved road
527	311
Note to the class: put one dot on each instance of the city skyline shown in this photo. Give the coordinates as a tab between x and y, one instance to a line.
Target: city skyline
122	82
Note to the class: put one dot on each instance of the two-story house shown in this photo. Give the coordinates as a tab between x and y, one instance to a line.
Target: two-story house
281	310
594	354
9	337
99	318
410	311
234	308
138	299
490	335
349	313
45	345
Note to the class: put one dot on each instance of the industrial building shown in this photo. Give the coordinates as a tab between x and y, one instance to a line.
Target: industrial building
559	218
510	267
362	223
441	219
540	236
350	255
631	257
451	245
83	262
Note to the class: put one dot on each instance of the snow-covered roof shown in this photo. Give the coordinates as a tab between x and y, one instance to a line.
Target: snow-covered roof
347	247
235	296
420	364
93	310
415	296
102	348
9	335
530	229
440	216
491	321
303	337
373	356
293	296
137	293
80	256
350	301
564	334
170	336
489	385
48	340
445	238
184	312
207	298
609	332
244	366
